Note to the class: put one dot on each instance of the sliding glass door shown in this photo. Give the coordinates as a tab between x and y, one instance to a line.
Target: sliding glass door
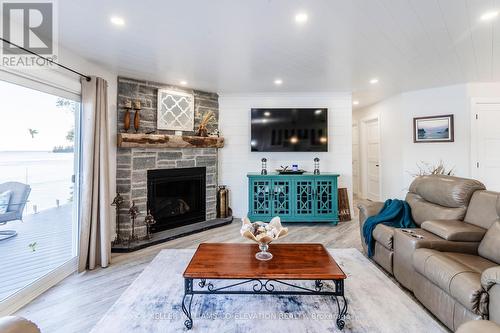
38	193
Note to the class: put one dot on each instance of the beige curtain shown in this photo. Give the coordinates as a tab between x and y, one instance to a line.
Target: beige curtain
95	246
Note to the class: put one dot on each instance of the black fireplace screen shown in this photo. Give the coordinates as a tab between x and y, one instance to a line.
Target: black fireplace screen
176	197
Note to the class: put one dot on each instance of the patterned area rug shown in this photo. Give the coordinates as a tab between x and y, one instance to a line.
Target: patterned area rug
153	304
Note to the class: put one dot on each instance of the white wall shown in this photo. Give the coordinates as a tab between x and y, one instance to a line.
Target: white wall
437	101
236	159
399	155
390	119
483	90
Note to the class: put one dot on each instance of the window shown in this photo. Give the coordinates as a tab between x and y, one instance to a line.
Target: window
39	149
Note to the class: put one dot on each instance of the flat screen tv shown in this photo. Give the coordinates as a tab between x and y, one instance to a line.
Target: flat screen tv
289	130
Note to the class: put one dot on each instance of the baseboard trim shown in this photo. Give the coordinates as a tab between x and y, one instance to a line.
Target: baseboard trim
16	301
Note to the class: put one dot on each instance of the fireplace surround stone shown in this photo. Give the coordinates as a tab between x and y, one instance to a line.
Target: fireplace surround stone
134	163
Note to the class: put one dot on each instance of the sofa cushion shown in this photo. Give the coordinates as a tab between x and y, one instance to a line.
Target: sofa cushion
490	245
384	235
454	230
458	274
422	210
482	209
446	191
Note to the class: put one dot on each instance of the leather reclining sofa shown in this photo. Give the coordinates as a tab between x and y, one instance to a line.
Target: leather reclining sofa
451	261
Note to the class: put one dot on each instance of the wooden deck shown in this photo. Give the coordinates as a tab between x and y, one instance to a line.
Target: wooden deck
51	229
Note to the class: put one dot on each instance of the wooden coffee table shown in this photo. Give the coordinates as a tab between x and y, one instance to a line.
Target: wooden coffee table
225	268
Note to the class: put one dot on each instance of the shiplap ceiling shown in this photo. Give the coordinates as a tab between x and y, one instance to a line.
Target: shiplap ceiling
242	46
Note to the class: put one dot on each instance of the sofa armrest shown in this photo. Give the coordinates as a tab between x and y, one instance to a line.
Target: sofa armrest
454	230
490	277
367	209
13	324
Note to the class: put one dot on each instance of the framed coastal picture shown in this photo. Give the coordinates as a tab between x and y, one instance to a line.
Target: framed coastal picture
433	129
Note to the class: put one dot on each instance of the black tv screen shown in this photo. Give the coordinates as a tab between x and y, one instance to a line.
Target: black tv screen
296	130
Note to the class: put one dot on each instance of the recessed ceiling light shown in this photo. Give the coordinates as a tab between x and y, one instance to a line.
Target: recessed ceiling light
267	114
117	21
489	16
374	81
294	139
278	82
355	102
183	83
301	18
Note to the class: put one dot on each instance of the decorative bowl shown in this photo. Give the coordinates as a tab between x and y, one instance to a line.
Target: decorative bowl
263	234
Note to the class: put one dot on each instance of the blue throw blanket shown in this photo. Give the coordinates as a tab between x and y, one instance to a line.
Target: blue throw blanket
395	213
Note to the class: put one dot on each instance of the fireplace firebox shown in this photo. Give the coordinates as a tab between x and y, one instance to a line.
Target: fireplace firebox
176	197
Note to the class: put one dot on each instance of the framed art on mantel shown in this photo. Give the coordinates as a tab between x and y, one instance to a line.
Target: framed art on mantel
175	110
433	129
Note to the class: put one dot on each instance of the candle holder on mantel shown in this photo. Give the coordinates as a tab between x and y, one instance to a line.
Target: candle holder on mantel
118	202
137	120
126	117
133	212
149	220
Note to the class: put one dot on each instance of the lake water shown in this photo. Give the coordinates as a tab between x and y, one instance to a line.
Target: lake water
49	175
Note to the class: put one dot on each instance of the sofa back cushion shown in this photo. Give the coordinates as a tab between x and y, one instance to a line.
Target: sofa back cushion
422	210
482	210
446	191
489	247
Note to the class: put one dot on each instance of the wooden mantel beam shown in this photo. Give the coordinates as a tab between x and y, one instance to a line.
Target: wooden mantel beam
141	140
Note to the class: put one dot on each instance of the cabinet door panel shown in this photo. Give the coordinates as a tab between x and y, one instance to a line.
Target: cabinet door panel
325	197
261	197
304	197
281	198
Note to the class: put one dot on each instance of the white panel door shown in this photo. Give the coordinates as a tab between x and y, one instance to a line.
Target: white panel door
372	160
487	141
355	159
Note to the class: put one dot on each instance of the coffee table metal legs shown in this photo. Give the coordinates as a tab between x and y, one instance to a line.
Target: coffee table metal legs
341	312
263	287
188	294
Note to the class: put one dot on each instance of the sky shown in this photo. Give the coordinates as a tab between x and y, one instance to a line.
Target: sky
23	108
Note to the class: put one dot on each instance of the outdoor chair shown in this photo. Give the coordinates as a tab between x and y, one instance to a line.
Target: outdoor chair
18	200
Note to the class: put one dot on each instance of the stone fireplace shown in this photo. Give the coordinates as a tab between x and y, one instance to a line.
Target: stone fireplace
139	167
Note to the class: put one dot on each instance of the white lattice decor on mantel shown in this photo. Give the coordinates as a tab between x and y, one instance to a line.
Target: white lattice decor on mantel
175	110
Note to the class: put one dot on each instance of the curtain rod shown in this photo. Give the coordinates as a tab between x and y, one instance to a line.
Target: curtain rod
88	78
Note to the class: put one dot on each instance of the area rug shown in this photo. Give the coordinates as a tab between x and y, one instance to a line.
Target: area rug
153	304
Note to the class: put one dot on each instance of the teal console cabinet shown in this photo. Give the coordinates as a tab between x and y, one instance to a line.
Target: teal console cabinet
294	198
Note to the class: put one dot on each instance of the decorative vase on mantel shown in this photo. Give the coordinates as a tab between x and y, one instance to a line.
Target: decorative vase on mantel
137	119
126	117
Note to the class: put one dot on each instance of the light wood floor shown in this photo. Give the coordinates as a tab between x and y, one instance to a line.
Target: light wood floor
77	303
